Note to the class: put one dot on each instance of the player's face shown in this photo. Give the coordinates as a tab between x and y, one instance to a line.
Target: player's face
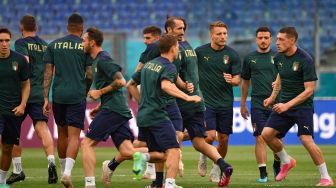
178	30
263	40
284	43
219	36
149	38
86	44
4	44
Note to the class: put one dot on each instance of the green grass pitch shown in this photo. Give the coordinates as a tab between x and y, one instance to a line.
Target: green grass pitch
241	157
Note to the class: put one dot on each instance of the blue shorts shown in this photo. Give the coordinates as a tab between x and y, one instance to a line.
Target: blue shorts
35	112
160	137
175	117
284	121
220	120
70	114
107	123
194	123
259	118
10	127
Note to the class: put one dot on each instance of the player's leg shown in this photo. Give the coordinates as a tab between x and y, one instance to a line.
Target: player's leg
17	174
306	132
259	119
279	124
59	111
42	131
210	127
194	122
10	127
175	117
89	161
150	167
74	117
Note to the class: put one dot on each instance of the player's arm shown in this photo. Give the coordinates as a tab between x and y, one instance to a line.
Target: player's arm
171	89
133	90
308	92
19	110
275	92
184	85
117	83
244	92
139	66
233	80
88	78
48	72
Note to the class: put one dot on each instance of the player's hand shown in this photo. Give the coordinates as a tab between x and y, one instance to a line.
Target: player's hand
95	94
19	110
46	108
280	107
244	112
268	102
189	87
194	98
227	77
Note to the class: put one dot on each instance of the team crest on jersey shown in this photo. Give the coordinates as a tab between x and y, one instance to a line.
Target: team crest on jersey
225	59
15	65
296	66
272	59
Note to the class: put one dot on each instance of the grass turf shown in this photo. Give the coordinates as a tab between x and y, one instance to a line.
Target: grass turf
241	157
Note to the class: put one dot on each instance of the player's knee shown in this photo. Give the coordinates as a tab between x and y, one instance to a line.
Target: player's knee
7	148
307	141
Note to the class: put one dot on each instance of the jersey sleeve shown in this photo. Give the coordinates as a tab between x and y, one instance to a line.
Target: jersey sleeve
48	56
136	77
109	68
23	69
246	69
309	73
169	73
236	64
21	47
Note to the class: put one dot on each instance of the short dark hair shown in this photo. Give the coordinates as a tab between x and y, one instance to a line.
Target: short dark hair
170	22
96	35
5	30
75	22
217	24
263	29
166	42
28	23
290	31
154	30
